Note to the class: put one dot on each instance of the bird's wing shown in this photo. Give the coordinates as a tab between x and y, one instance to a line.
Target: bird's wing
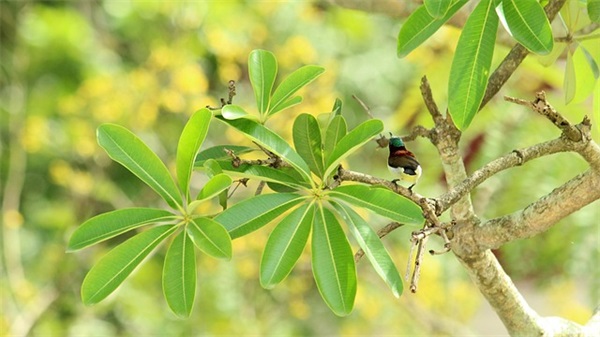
410	164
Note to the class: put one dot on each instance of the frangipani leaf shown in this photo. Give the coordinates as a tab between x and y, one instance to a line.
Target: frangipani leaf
471	64
179	275
252	214
262	68
285	245
373	248
128	150
381	201
112	269
191	139
108	225
333	263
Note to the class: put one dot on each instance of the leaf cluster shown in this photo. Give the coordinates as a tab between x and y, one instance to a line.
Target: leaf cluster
302	176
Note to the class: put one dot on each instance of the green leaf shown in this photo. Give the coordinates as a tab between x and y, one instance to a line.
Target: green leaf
285	245
212	168
420	25
114	267
333	263
179	275
218	152
214	186
570	79
528	24
336	130
262	68
290	102
337	108
471	64
374	249
586	72
291	84
281	175
252	214
210	237
107	225
127	149
381	201
191	139
307	140
232	111
437	8
593	7
351	142
272	142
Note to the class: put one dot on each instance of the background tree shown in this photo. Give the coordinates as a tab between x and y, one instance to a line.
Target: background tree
173	87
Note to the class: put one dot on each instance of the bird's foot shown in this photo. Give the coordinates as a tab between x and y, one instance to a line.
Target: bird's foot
410	188
395	181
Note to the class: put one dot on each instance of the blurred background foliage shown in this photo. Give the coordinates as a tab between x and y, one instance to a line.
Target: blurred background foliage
69	66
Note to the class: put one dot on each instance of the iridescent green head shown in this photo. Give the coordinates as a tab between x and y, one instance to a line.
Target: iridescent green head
396	142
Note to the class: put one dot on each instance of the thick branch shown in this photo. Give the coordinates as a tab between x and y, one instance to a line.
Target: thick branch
533	219
515	158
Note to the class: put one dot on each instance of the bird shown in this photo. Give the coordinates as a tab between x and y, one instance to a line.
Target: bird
402	163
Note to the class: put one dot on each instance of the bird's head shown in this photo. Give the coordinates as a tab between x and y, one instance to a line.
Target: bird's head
396	142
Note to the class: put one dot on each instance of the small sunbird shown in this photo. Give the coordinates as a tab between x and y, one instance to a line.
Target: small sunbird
402	163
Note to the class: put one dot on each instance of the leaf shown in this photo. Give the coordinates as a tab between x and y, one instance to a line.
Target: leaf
337	108
191	139
290	102
179	275
336	130
586	72
374	249
307	141
210	237
281	175
420	25
232	111
528	24
262	68
351	142
333	263
218	152
570	79
252	214
437	8
381	201
112	269
285	245
108	225
593	7
212	168
128	150
214	186
272	142
291	84
471	64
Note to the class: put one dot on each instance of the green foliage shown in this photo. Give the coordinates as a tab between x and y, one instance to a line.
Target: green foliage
262	68
471	64
525	21
437	8
528	24
179	273
420	25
